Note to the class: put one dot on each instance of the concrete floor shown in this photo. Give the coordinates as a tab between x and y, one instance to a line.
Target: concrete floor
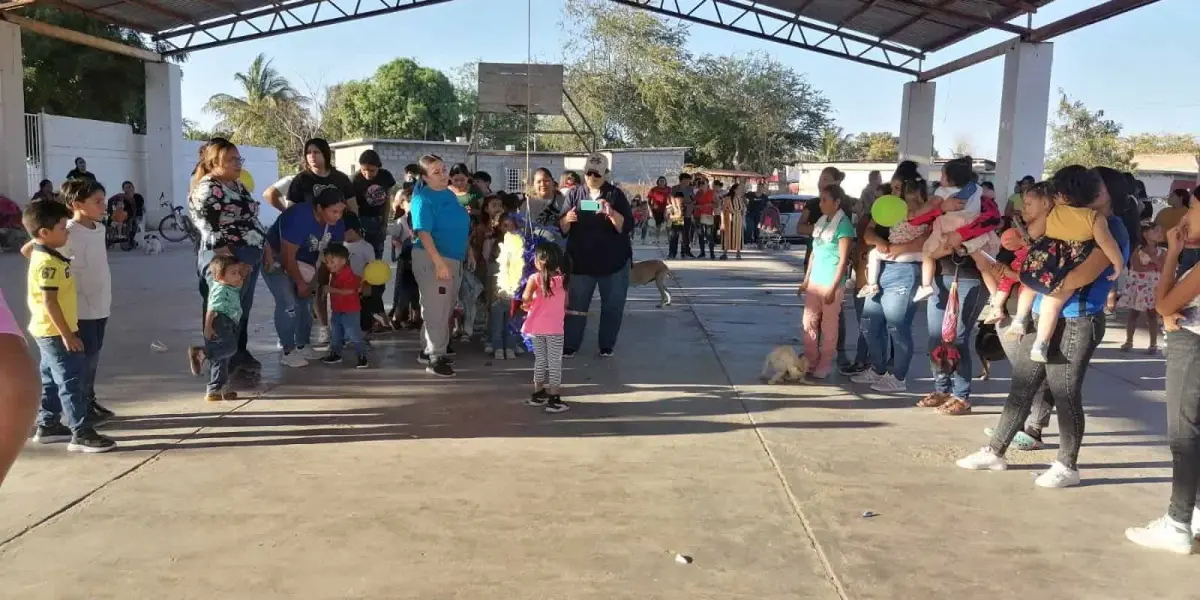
334	483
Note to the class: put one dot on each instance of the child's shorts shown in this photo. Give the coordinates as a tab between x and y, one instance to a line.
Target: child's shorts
1050	260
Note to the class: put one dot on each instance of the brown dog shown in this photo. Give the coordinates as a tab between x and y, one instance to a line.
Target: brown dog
652	270
782	364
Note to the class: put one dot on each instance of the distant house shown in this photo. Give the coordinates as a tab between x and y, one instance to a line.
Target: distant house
1165	172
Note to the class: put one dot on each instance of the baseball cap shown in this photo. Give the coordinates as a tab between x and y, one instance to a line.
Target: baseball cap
596	162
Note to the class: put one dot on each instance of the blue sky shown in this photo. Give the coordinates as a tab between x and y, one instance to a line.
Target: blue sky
1141	67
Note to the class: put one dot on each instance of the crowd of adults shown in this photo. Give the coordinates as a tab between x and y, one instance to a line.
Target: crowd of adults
438	204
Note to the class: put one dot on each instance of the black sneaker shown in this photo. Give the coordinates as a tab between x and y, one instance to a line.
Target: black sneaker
52	434
101	411
441	368
332	359
538	398
86	440
853	369
569	353
606	353
555	405
362	363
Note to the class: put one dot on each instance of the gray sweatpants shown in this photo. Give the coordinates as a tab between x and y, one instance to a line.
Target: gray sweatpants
437	301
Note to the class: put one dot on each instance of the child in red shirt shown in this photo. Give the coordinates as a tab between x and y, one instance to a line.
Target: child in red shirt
344	318
1009	279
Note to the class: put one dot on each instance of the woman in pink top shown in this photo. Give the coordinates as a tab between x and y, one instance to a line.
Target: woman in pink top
545	301
19	394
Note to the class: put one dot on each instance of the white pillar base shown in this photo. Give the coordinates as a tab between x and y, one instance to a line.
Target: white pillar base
1024	115
164	140
13	180
916	124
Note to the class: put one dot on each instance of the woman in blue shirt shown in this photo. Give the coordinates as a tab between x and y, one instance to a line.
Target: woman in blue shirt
441	225
296	241
824	286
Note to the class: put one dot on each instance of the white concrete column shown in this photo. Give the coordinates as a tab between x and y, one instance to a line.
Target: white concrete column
13	182
916	124
1024	115
164	139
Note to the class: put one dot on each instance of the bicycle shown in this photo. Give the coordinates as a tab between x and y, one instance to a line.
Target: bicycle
176	226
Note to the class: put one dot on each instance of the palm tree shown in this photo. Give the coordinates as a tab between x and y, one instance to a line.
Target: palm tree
265	94
833	144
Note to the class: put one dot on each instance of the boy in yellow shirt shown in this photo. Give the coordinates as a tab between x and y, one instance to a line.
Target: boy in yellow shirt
54	324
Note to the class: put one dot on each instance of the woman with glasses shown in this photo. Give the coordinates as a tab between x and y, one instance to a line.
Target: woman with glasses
227	216
598	224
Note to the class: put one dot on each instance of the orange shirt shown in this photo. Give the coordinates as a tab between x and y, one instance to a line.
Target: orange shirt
705	202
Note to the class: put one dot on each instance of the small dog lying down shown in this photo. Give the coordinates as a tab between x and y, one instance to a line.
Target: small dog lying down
652	270
783	364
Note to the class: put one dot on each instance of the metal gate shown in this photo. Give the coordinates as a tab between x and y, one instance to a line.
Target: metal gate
35	169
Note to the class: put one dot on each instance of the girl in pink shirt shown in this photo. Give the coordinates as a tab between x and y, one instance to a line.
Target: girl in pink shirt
545	301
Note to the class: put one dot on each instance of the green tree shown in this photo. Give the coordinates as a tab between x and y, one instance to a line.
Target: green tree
833	144
55	71
879	146
1163	143
401	100
1081	136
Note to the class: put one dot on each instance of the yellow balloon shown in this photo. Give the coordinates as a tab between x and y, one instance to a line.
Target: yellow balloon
247	180
377	272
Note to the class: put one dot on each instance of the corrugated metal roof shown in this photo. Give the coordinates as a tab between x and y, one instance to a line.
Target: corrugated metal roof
926	25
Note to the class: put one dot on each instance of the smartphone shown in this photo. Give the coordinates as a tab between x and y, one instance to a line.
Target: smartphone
589	205
442	290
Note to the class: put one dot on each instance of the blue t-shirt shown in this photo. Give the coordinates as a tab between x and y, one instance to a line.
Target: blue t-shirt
1090	299
298	225
439	214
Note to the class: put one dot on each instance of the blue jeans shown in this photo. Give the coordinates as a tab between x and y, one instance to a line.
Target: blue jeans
343	327
91	333
247	254
293	315
613	289
219	350
499	336
62	373
889	315
971	295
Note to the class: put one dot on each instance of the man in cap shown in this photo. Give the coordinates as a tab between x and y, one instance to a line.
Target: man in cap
598	222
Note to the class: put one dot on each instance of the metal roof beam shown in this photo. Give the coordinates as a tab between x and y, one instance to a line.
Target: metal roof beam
77	37
1079	20
782	34
943	9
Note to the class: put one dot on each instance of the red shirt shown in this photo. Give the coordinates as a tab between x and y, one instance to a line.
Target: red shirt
345	279
659	197
705	202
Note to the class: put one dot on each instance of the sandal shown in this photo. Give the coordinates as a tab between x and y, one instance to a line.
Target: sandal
934	400
955	407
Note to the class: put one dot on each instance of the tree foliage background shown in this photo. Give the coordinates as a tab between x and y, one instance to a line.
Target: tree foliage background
1086	137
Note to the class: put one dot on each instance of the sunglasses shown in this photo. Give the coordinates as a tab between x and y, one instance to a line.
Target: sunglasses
592	174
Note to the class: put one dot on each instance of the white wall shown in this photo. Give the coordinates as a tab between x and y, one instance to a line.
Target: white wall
115	154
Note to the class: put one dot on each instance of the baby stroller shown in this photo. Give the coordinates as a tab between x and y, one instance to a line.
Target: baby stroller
770	230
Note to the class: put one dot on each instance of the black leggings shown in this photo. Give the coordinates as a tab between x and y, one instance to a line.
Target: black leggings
1071	349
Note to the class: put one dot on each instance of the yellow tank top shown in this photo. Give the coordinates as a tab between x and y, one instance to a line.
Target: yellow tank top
1070	223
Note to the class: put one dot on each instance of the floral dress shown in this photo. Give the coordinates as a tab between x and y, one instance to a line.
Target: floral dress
226	215
1067	243
1137	291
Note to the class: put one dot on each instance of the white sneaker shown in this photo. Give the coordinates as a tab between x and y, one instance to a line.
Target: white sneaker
488	349
1163	533
923	292
889	384
510	354
293	359
984	460
868	376
311	352
1059	476
498	355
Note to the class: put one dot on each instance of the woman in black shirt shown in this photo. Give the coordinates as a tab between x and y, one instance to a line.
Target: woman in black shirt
372	188
319	174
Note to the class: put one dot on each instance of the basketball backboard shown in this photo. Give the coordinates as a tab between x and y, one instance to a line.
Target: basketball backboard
509	88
